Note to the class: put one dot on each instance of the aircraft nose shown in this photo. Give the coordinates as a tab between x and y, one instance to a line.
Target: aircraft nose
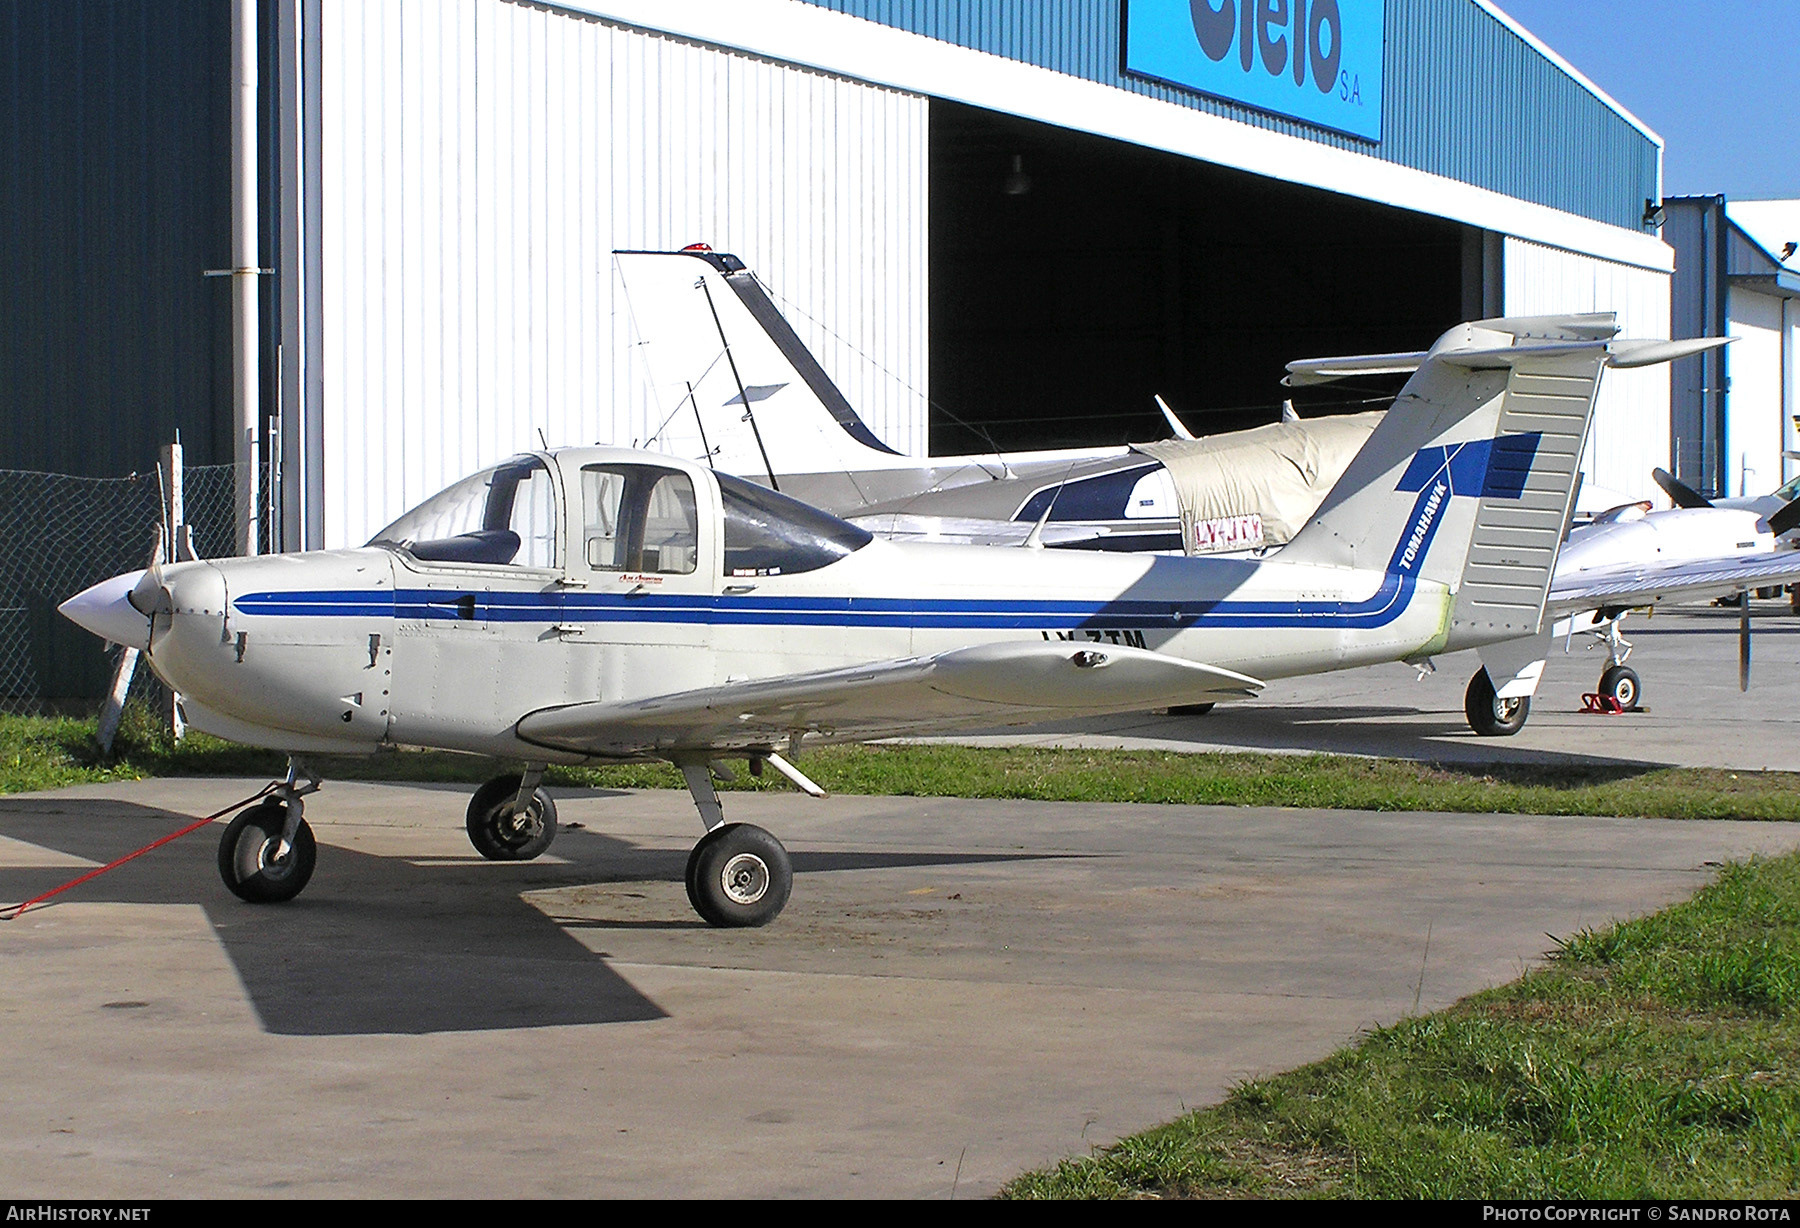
106	610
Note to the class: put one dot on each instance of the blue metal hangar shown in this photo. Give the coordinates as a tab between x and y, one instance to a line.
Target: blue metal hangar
992	220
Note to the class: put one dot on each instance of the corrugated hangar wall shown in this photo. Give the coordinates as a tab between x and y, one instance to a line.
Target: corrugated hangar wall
478	160
1630	435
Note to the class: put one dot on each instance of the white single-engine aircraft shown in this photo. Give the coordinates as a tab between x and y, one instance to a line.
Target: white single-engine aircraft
594	605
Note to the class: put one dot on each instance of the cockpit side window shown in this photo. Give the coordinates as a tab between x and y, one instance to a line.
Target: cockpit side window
502	515
769	534
639	518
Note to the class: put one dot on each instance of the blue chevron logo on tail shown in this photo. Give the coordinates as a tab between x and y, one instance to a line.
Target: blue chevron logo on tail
1479	468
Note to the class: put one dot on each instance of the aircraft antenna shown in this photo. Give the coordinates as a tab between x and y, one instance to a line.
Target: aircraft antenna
700	421
749	414
1175	424
1034	540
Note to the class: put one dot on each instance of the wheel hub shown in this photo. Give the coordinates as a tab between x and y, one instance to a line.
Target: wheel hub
745	878
520	824
272	858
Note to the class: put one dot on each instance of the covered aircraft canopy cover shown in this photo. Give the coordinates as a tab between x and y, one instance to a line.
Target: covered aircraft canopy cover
1280	473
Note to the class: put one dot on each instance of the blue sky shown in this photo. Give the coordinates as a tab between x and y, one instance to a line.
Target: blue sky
1714	77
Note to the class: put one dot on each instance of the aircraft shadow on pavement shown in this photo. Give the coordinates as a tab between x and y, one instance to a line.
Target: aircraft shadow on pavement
378	944
1428	737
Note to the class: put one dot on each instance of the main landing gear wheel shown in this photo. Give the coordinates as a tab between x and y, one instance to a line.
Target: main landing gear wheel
501	832
1190	709
739	875
1621	684
253	862
1489	716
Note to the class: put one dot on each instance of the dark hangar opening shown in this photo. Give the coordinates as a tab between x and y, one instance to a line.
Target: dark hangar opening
1074	276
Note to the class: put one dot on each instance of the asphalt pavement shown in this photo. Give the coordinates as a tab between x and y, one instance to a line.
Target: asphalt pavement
958	990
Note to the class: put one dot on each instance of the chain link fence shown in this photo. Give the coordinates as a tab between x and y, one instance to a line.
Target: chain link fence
58	535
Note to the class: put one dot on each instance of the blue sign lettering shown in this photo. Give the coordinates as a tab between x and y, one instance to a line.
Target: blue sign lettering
1314	60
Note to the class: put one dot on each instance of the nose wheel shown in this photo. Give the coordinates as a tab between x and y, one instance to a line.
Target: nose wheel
263	862
1620	684
267	853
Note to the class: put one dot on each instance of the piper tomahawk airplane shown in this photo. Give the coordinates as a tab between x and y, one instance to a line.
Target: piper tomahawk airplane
603	605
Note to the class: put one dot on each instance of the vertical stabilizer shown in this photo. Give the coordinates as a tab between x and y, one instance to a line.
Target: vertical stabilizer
735	384
1468	480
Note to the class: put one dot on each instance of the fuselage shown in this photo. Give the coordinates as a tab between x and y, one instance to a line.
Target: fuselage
356	649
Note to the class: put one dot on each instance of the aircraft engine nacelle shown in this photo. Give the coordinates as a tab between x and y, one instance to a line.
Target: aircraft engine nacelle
255	661
1677	536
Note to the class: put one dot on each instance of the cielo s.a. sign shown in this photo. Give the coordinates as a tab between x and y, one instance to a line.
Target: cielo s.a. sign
1313	60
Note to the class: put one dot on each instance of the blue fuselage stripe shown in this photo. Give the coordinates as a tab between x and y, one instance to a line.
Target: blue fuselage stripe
1382	607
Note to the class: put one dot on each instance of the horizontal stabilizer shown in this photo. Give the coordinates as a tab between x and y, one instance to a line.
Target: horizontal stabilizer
1307	371
987	684
1512	337
1648	353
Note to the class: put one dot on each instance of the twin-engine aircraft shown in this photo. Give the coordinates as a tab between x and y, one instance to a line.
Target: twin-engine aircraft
604	605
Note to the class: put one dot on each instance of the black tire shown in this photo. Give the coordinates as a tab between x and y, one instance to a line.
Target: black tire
693	857
500	834
1190	709
247	860
739	875
1621	684
1491	717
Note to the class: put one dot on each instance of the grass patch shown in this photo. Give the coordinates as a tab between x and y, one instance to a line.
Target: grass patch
1658	1058
48	753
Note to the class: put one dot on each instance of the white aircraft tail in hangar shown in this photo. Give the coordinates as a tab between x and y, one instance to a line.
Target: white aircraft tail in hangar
737	388
605	605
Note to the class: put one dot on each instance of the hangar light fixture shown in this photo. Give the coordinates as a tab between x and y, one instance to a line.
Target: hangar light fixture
1018	183
1654	214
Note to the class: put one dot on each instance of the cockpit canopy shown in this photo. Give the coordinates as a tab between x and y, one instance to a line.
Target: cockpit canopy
503	514
631	515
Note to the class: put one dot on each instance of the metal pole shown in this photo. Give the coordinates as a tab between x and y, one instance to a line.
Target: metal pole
245	327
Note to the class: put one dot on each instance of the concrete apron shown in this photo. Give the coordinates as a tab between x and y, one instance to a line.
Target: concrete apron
958	991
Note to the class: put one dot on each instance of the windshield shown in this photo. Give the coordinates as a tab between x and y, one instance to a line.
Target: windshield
769	534
502	515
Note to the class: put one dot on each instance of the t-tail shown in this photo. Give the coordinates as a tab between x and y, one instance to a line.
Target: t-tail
1470	480
733	381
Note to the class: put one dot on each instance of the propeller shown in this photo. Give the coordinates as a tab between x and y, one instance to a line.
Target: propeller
1682	494
1744	641
1784	518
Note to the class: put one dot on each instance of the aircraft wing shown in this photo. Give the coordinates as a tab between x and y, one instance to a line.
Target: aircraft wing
984	685
1693	581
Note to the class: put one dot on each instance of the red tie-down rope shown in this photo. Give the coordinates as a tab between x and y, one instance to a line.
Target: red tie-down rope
14	911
